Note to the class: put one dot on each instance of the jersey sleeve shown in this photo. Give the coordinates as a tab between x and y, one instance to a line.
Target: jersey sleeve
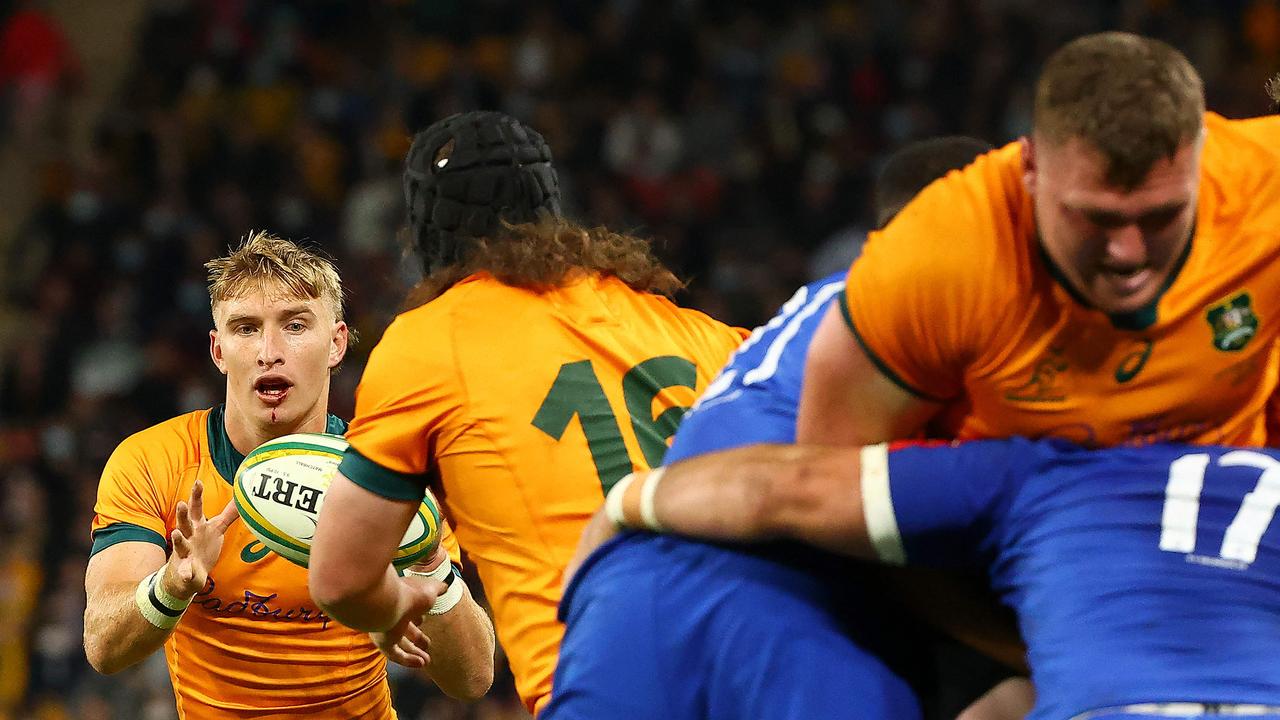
131	504
912	297
938	505
407	394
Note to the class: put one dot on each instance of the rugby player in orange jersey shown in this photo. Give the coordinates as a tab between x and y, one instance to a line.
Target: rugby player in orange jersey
240	633
1113	278
543	364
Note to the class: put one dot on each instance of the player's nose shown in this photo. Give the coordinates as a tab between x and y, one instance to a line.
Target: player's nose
1126	247
271	349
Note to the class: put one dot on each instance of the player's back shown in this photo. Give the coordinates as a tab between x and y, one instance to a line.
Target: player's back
559	395
1139	574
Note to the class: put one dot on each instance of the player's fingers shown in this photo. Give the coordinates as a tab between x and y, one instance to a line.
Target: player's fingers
197	501
415	636
226	518
409	660
182	515
181	546
407	647
426	593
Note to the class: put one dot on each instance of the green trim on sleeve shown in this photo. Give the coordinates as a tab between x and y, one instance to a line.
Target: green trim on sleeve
379	480
843	303
117	533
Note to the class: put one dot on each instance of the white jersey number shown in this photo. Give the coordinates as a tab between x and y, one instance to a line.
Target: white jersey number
1182	505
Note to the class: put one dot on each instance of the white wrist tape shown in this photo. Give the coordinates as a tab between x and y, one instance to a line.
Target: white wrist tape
613	501
647	513
452	594
156	604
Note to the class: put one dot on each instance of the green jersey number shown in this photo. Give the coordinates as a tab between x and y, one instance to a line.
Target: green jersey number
577	391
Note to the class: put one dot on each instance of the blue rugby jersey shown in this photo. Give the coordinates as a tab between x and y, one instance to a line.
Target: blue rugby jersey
1138	574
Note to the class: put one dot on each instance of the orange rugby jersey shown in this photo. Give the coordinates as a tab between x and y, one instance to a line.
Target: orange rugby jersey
252	644
522	409
956	301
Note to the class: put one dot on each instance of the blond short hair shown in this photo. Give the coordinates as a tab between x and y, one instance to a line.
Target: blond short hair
265	261
1273	89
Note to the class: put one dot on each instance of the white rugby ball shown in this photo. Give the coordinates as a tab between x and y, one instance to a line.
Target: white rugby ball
280	488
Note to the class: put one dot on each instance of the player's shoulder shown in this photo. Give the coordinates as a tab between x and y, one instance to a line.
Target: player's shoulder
1238	171
970	224
1257	134
718	339
174	443
479	301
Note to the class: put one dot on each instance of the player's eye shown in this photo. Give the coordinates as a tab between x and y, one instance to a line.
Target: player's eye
244	329
1105	220
1158	220
296	326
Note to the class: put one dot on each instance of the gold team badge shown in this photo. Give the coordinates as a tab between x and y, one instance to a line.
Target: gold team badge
1233	321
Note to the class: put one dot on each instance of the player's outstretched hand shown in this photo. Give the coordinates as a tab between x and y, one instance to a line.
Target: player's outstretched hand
599	530
197	543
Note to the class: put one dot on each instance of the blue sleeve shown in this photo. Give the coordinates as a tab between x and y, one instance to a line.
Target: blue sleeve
941	505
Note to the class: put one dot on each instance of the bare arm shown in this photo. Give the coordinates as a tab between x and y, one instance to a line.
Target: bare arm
353	581
846	399
355	584
807	493
116	635
460	643
1012	699
760	492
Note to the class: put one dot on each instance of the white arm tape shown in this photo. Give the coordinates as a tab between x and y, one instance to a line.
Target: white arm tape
613	502
157	606
452	594
647	512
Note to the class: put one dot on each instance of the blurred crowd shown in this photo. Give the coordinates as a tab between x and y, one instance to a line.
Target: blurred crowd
741	136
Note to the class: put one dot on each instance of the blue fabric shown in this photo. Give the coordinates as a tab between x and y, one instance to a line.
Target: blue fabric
1073	541
666	629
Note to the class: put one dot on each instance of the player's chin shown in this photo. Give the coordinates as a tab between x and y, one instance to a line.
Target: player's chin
1115	299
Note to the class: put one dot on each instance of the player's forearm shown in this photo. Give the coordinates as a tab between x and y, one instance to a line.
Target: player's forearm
372	608
462	649
116	635
353	580
755	493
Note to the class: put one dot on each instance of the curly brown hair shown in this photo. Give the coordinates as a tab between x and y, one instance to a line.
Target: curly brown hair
546	254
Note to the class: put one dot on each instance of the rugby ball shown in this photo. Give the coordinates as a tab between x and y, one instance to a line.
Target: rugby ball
280	488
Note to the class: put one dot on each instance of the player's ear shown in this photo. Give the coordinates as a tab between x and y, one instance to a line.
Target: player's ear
215	352
338	343
1029	167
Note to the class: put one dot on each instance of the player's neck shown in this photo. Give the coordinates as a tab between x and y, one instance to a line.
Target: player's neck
247	433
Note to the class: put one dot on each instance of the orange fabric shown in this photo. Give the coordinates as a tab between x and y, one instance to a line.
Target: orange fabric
955	300
475	387
252	644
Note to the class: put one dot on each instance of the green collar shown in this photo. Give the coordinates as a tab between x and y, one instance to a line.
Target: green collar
1139	319
226	459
